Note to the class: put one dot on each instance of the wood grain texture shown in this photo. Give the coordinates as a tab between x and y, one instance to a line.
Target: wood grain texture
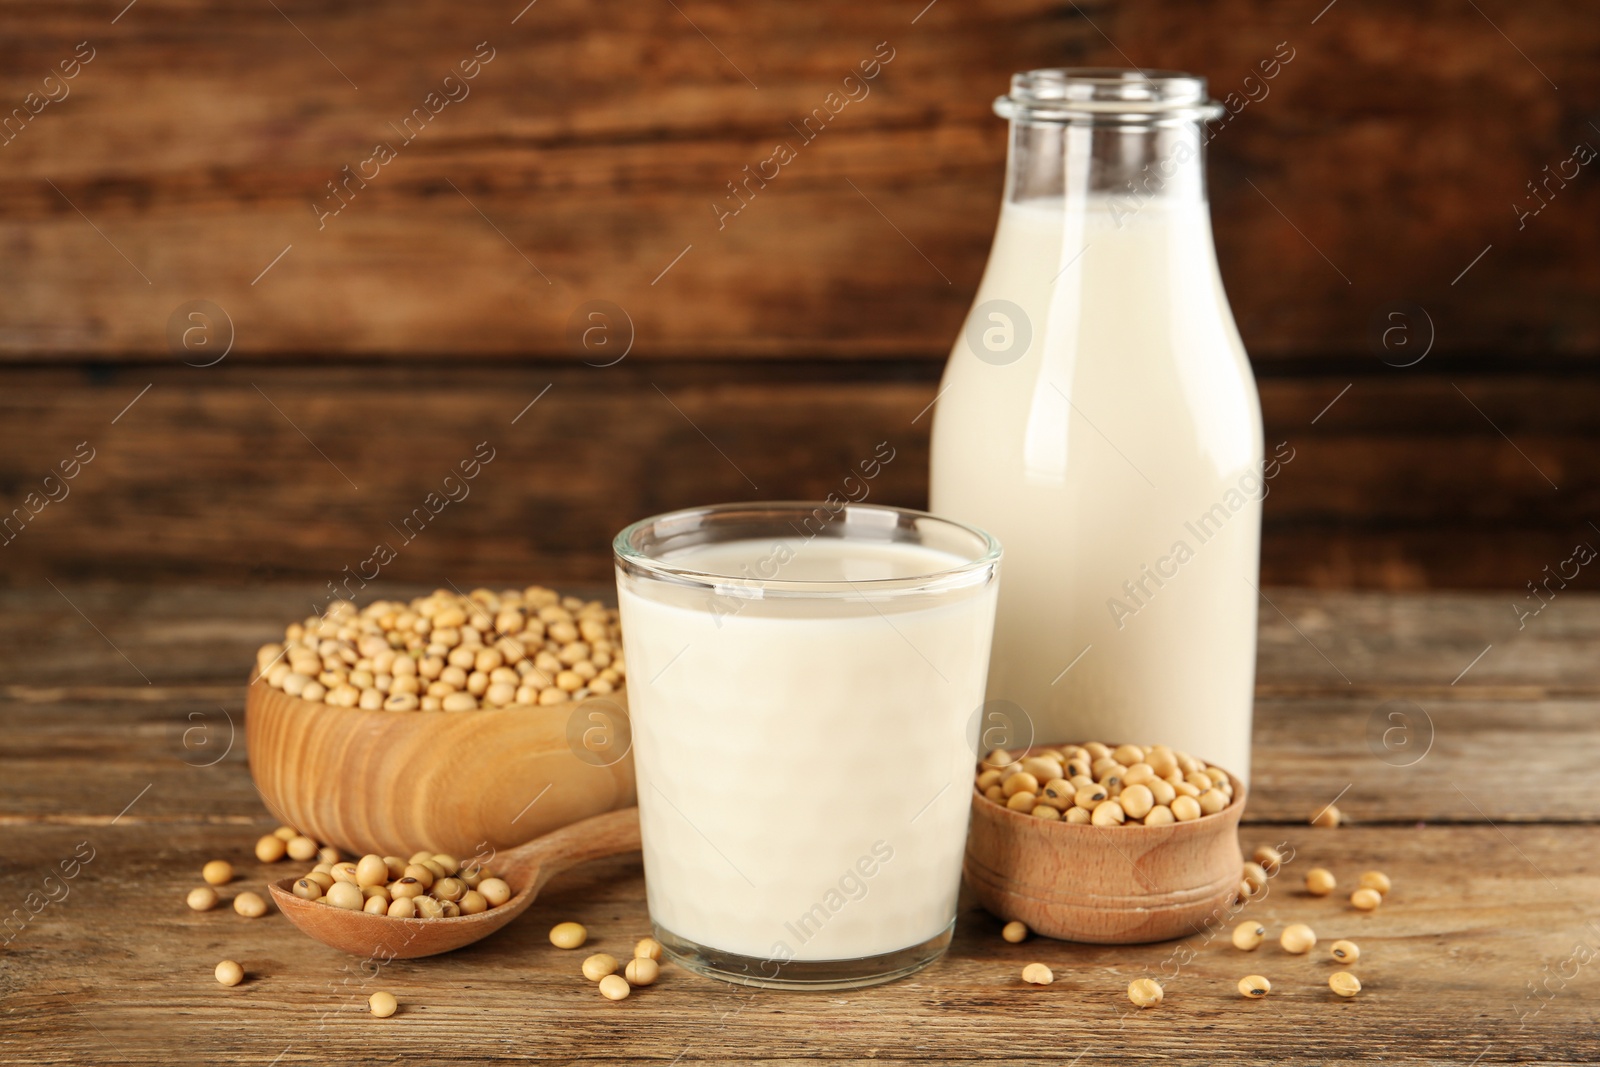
120	972
191	157
357	454
195	642
1309	749
395	782
1531	697
1381	160
238	473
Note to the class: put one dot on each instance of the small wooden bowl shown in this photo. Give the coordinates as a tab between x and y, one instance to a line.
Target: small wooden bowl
1122	885
395	782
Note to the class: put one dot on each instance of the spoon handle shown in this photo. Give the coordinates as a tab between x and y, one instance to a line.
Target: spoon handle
610	834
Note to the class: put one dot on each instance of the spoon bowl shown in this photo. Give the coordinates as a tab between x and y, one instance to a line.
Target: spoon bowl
526	868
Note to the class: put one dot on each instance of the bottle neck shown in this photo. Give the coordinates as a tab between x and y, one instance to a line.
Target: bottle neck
1124	167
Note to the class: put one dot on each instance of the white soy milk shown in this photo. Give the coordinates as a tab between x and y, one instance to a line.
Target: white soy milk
1118	459
803	767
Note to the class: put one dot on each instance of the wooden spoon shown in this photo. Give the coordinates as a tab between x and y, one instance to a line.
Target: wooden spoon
525	868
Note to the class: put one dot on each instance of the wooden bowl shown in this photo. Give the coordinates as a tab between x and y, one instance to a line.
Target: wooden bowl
395	782
1122	885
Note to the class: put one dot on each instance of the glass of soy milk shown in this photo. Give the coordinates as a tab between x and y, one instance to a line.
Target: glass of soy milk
805	683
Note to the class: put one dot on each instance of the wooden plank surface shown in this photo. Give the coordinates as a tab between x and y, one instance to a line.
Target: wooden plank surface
1481	954
1397	142
1420	767
120	972
63	643
236	473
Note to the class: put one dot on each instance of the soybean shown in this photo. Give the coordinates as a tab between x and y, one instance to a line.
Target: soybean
565	935
1269	858
1376	880
1014	932
345	895
1077	780
1346	951
1136	801
1344	983
202	898
1145	992
599	965
271	848
641	970
1255	876
1108	813
1248	935
217	872
448	652
406	889
1038	974
250	905
371	870
229	973
1298	939
1021	782
1254	986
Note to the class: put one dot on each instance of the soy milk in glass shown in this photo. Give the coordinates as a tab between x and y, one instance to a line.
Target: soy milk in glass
1098	415
803	687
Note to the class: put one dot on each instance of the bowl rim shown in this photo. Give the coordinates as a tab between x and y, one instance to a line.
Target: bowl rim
1234	808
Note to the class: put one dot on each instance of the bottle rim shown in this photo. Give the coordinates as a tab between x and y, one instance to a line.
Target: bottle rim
1106	94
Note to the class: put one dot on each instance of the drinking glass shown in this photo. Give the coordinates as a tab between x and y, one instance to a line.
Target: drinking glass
804	683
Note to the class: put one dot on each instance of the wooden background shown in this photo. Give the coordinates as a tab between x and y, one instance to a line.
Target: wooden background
371	354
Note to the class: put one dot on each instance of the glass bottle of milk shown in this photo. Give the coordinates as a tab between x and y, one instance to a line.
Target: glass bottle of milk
1098	416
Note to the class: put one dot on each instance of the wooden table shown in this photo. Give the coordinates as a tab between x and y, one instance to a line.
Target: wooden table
116	746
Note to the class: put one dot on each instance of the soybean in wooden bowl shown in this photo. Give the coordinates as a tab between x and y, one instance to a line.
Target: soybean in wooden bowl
356	752
1126	884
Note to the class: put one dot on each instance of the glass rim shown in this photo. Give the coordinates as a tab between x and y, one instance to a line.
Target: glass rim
636	562
1107	94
